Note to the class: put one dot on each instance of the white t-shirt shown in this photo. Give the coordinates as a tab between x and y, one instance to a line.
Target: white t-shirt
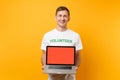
65	38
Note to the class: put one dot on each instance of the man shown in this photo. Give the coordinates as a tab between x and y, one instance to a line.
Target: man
61	36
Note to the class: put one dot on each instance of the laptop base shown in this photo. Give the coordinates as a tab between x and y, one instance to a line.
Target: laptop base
59	69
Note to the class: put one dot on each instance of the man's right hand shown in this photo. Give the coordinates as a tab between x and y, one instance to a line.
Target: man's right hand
43	67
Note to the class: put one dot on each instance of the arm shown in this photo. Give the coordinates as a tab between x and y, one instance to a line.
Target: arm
43	59
78	59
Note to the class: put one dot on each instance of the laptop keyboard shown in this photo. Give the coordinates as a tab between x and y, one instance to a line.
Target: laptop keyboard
59	67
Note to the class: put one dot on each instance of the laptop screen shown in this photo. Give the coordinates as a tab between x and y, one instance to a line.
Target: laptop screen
60	55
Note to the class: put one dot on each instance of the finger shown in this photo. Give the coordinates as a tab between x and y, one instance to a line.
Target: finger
42	67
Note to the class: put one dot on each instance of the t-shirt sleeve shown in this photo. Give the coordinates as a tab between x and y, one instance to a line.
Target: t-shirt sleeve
44	43
78	43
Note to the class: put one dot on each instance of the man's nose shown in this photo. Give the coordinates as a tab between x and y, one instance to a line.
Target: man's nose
62	18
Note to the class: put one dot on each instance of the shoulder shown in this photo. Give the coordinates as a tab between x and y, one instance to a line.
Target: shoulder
73	32
49	33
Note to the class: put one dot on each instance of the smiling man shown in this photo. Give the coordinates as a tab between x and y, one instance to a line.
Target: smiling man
61	36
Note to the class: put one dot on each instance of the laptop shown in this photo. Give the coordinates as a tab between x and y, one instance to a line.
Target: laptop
60	60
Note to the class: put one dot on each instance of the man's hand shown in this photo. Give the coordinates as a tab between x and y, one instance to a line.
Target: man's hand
43	67
76	68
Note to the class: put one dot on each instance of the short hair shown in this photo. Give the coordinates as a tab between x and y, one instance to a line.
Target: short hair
62	8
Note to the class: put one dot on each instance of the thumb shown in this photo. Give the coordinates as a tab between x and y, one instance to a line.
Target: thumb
43	67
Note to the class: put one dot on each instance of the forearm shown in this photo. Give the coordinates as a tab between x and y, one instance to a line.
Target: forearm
78	59
43	58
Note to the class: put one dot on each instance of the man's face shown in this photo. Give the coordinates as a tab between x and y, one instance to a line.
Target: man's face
62	18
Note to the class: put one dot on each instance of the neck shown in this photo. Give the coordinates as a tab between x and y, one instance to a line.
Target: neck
61	29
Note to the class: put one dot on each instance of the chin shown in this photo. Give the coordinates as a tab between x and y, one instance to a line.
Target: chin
62	26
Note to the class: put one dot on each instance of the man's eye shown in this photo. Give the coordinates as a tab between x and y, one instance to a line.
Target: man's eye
60	15
65	15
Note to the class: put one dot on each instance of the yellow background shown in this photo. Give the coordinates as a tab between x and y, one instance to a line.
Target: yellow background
24	22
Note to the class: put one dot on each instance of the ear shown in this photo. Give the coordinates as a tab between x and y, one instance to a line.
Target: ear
68	18
55	18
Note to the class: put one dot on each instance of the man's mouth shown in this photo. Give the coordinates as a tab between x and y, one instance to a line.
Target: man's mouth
62	22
